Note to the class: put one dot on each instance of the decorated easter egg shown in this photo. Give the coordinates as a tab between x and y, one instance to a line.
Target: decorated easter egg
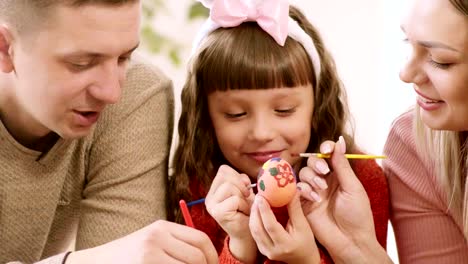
276	182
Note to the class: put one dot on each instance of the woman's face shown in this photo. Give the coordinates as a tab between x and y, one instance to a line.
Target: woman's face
438	64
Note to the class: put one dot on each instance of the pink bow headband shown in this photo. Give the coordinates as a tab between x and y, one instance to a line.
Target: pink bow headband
271	15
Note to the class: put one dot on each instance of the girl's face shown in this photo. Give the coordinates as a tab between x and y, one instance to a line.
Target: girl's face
253	126
438	64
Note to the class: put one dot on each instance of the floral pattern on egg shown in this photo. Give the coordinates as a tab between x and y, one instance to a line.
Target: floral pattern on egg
276	182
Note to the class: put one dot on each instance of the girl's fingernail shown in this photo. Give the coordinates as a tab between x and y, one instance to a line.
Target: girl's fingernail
299	188
342	144
322	166
315	196
259	201
321	183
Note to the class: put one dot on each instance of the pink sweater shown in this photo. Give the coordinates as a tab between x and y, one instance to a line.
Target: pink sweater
425	231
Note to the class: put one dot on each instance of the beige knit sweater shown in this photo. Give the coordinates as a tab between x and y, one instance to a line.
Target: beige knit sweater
94	189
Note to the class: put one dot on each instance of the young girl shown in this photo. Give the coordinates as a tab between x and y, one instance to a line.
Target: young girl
260	85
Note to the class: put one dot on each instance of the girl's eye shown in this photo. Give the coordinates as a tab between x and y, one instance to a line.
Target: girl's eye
439	65
236	115
286	111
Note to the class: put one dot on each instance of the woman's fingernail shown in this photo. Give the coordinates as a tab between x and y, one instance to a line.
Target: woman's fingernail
326	149
322	166
315	196
321	183
342	144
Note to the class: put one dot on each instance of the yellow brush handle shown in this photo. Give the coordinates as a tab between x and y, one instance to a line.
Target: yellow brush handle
348	156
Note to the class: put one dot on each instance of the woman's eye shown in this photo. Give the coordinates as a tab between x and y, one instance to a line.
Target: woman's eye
235	115
439	65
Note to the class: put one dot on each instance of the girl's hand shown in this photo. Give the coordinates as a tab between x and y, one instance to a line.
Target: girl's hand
295	244
229	201
341	218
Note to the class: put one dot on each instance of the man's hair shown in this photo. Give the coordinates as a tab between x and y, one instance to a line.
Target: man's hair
23	15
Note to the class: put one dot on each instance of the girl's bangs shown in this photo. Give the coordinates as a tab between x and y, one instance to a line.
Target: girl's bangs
246	57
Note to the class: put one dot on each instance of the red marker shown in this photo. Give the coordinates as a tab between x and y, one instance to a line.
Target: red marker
186	213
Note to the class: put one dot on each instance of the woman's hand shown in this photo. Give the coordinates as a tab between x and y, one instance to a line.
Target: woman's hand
160	242
295	244
229	201
341	218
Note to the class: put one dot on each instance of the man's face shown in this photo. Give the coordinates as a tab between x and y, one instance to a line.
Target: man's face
70	70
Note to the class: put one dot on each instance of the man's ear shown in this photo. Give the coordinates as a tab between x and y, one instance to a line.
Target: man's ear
6	59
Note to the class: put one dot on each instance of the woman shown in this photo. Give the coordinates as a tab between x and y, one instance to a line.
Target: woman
427	164
426	148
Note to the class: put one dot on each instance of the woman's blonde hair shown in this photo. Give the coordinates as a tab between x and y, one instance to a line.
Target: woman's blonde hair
246	57
448	149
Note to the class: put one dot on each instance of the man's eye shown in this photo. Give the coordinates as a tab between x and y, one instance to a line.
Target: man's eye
124	59
74	66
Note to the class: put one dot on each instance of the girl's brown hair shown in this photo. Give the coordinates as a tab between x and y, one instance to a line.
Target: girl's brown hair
460	5
245	57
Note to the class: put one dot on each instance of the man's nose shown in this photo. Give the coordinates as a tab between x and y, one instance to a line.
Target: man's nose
108	88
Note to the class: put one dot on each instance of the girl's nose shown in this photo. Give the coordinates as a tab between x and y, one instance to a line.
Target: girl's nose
262	129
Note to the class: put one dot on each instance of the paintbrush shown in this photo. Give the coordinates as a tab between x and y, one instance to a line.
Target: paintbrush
348	156
202	200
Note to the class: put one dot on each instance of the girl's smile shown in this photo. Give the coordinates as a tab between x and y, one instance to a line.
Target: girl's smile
252	126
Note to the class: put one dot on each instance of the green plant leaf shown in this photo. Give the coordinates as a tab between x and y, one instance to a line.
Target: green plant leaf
147	12
153	41
151	7
174	55
197	10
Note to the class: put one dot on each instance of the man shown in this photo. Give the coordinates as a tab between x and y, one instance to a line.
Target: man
84	137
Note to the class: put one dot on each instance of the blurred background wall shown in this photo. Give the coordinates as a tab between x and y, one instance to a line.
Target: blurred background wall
363	36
